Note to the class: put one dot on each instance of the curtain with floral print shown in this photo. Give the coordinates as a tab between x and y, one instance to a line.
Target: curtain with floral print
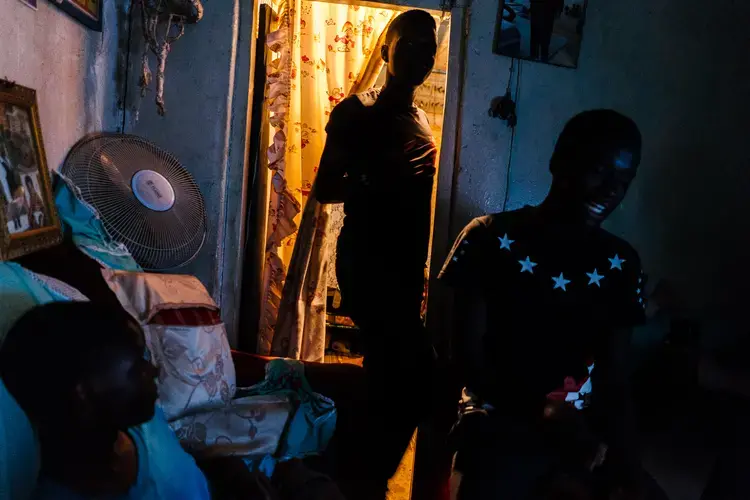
322	53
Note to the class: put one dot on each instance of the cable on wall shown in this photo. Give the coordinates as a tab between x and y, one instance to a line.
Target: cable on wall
504	107
506	197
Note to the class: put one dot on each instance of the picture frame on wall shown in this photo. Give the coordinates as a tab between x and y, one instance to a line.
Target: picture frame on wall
28	218
30	3
546	31
87	12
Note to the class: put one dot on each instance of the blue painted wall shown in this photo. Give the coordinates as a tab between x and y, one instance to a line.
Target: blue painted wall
206	95
76	72
680	68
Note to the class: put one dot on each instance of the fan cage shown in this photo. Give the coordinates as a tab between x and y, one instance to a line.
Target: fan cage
102	168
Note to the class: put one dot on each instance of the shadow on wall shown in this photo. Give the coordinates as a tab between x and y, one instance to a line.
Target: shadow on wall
676	67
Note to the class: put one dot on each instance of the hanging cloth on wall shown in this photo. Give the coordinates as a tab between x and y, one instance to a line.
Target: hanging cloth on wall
177	13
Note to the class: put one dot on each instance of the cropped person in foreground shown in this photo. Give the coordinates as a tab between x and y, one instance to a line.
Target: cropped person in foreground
79	372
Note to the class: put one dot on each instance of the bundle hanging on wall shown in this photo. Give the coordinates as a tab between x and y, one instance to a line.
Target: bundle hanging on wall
172	15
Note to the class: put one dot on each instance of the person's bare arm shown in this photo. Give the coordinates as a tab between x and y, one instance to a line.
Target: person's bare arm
332	183
469	327
463	273
230	479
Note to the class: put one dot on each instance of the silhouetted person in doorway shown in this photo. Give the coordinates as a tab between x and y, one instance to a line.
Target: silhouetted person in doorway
545	303
379	160
542	17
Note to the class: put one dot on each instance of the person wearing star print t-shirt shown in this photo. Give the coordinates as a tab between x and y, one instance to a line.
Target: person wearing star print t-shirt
545	301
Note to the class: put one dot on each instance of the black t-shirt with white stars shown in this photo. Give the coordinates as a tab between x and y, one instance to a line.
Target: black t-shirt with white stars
552	301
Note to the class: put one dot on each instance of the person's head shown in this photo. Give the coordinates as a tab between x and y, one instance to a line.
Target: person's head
595	160
79	365
410	48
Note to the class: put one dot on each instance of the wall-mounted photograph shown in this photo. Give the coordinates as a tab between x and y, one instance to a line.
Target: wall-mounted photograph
28	219
548	31
87	12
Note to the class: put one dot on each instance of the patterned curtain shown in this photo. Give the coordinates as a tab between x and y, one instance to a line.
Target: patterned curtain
323	52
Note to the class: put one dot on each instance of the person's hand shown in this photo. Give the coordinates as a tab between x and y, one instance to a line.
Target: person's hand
473	423
568	488
231	479
567	430
294	480
631	493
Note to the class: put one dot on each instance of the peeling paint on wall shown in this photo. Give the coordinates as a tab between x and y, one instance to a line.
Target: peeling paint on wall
72	69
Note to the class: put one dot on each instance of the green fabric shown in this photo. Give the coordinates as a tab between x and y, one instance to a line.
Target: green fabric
314	420
88	231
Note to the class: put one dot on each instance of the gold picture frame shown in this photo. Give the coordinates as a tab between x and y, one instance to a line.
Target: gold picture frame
28	218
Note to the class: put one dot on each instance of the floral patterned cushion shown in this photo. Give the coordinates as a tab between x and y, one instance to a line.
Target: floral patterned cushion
248	427
196	367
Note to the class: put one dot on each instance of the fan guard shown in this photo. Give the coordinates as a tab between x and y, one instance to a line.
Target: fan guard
145	198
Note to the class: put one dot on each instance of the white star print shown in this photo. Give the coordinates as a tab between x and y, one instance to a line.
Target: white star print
595	278
560	282
616	262
505	242
527	265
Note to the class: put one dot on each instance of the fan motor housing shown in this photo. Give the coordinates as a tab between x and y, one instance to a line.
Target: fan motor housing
143	196
153	190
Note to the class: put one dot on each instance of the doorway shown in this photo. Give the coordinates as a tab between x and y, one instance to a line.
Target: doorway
430	97
324	57
321	52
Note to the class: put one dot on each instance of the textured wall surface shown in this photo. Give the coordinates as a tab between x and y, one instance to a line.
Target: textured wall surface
206	92
74	70
680	69
194	127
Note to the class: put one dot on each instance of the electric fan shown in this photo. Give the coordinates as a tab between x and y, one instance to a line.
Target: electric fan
145	199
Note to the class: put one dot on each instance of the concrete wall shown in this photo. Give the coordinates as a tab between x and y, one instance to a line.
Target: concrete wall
677	66
75	71
206	95
680	69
